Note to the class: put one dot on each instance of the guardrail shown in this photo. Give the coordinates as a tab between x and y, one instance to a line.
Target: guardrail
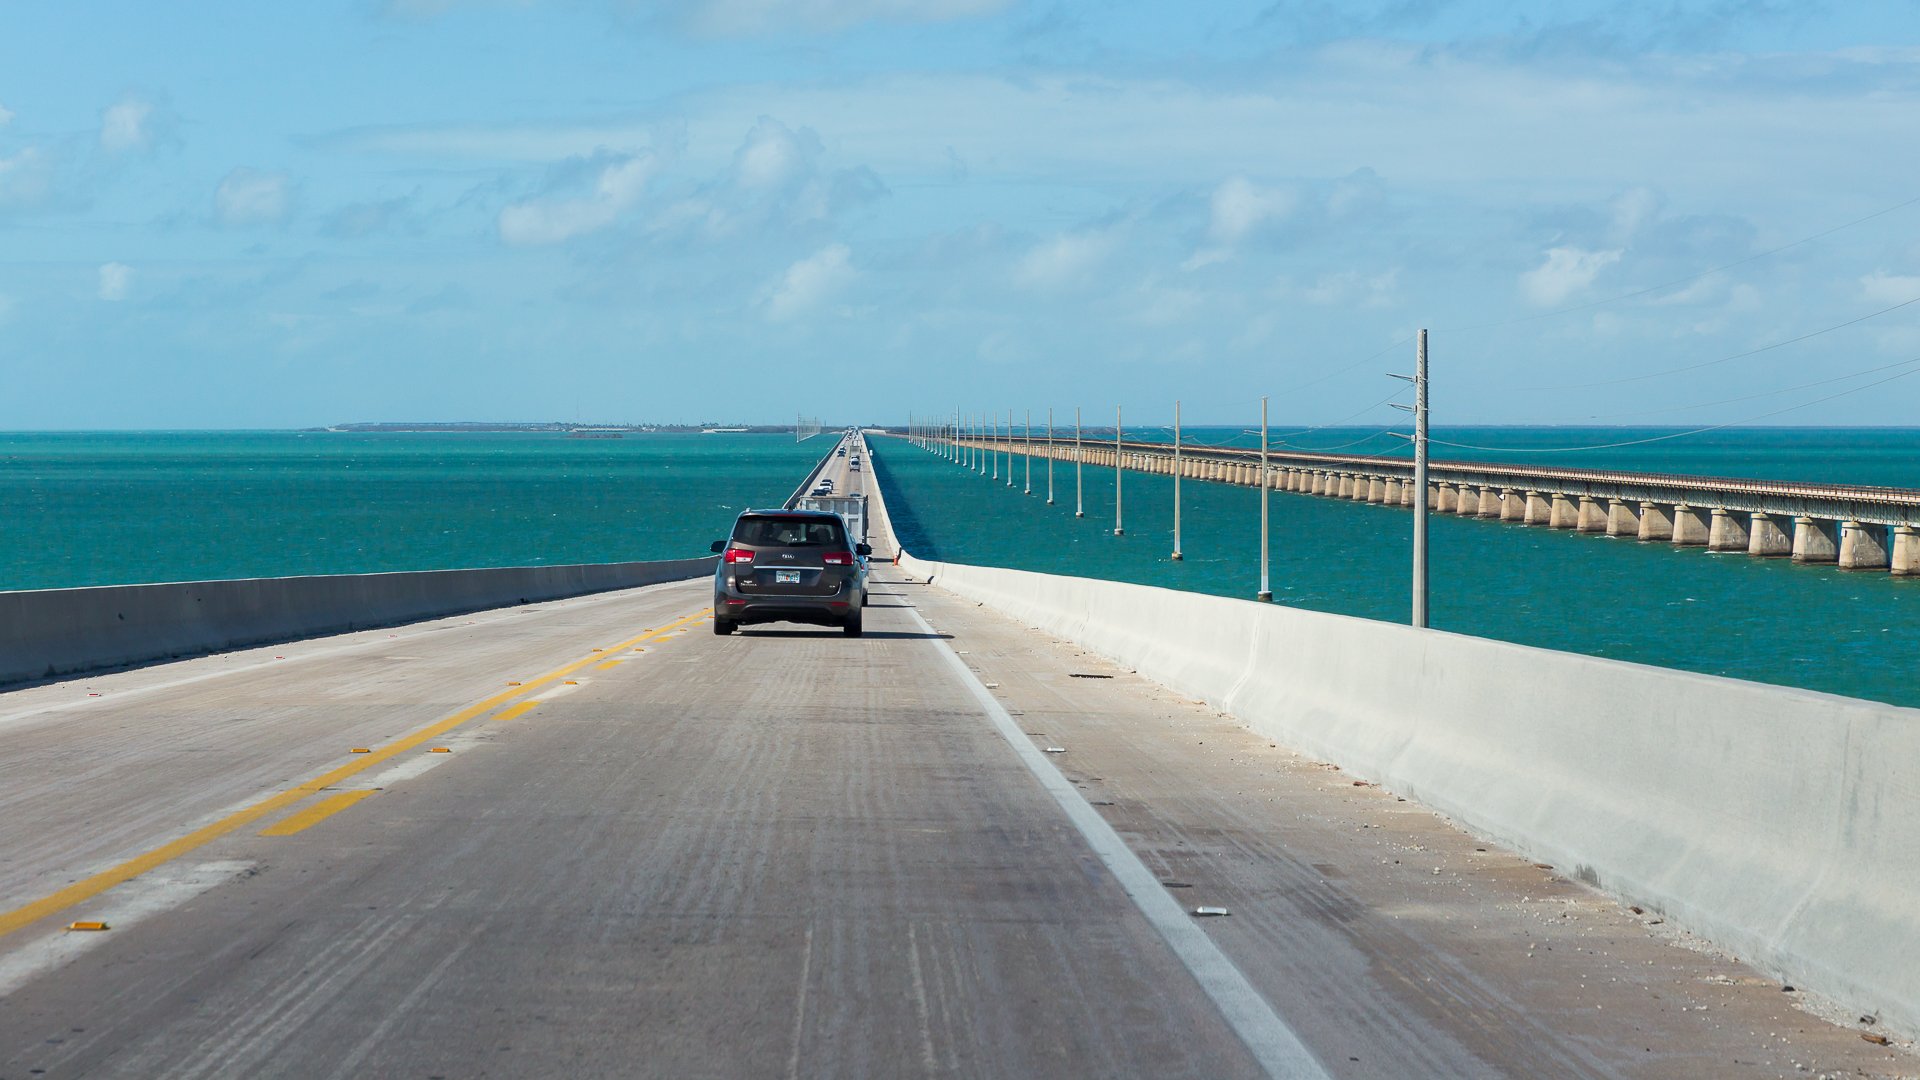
46	633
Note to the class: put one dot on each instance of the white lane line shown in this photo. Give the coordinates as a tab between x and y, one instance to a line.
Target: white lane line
441	625
121	908
1271	1041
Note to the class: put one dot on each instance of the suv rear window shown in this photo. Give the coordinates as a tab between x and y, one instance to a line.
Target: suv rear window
790	532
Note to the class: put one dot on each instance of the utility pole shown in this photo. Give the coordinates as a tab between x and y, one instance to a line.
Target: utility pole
1029	454
1009	447
1265	594
1079	488
1420	485
1177	556
1118	530
994	450
1050	455
1419	410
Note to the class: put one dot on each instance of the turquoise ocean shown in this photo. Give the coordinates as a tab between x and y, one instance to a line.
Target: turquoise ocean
1763	619
109	508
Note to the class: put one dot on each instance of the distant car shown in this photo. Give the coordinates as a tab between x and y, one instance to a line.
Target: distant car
789	566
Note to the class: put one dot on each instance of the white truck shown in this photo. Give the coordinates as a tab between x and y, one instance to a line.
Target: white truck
852	508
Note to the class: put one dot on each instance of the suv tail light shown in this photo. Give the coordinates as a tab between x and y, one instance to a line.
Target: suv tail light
735	555
837	558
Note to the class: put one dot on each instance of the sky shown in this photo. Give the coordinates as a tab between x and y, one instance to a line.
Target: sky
246	215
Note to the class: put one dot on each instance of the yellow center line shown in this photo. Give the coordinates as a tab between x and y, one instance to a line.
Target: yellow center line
315	814
512	711
87	888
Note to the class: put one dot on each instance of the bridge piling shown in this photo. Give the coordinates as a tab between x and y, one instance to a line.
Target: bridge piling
1592	517
1767	539
1656	521
1690	527
1623	518
1815	540
1863	546
1727	531
1906	551
1564	514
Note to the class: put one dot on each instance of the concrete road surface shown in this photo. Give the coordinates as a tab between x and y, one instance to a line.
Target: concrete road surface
785	853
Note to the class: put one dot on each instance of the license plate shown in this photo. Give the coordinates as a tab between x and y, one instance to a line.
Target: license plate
786	577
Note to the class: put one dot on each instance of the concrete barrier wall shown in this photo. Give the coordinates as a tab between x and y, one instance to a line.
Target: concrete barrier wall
1780	824
50	632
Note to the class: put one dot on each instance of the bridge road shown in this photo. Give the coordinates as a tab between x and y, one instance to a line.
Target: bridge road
782	853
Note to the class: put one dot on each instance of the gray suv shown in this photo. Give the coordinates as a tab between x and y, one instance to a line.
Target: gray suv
789	566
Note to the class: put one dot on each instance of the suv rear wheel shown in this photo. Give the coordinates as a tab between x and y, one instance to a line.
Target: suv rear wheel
852	625
723	627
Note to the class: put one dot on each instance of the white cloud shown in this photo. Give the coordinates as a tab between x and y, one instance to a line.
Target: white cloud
1240	206
1064	259
123	126
115	280
1881	287
6	308
618	183
252	197
747	18
1567	270
772	155
811	281
26	177
6	116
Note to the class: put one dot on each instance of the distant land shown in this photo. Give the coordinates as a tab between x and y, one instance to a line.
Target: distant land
551	426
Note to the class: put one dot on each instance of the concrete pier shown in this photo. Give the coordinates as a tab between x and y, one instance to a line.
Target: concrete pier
1863	546
1623	517
1490	498
1815	540
1768	537
1905	556
1727	531
1593	516
1513	505
1723	514
1656	521
1690	527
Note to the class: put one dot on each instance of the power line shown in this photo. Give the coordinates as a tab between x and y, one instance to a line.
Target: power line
1684	280
1755	397
1726	359
1680	434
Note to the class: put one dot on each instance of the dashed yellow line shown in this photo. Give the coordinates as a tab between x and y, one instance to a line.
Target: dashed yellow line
315	814
512	711
87	888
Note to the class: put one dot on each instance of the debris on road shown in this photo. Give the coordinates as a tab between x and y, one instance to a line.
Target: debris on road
1207	911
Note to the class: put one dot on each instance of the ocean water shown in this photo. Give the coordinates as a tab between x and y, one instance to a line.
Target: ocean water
115	508
1762	619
